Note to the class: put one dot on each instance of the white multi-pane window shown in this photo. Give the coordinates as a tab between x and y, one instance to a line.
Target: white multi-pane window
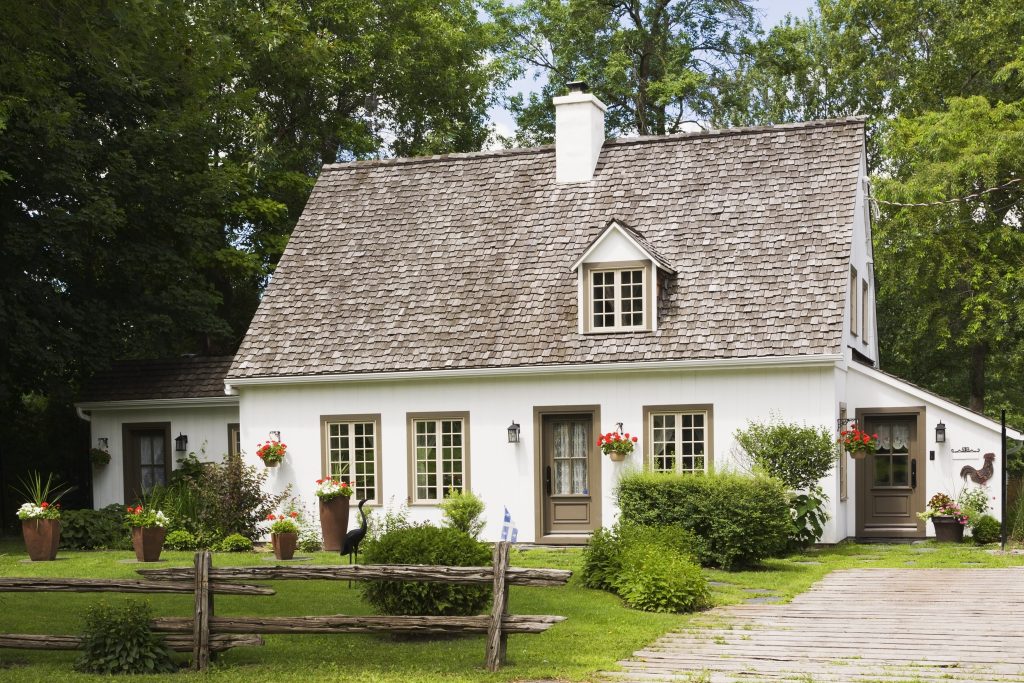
352	450
439	457
679	441
617	299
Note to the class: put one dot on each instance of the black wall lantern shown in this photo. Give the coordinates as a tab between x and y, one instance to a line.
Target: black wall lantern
940	433
181	443
513	432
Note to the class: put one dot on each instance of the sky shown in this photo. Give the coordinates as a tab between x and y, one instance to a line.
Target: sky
771	11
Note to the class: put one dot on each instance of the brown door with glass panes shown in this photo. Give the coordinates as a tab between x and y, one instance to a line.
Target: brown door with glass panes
147	458
570	475
890	483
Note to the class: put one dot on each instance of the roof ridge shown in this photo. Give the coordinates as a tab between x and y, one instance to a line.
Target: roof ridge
633	140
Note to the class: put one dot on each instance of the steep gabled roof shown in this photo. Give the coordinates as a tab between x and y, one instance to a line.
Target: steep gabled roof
173	378
638	240
462	261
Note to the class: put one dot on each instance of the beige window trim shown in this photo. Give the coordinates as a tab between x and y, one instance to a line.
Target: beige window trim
325	450
234	438
853	301
844	466
709	430
410	421
647	297
865	311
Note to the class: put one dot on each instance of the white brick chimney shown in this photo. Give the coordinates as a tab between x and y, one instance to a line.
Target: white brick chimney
579	134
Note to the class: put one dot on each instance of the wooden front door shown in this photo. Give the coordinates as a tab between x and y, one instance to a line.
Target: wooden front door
570	477
147	458
890	483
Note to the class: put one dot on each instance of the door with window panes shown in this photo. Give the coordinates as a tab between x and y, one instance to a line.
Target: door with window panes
569	474
890	483
147	458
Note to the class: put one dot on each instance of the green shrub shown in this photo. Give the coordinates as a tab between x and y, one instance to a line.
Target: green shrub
809	517
102	529
118	640
738	520
426	544
180	540
235	543
463	511
658	578
987	530
603	556
798	455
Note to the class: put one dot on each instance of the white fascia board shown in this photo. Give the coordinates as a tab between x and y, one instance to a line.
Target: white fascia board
614	225
821	360
141	404
929	397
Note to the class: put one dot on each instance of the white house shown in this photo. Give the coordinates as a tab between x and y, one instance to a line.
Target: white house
677	285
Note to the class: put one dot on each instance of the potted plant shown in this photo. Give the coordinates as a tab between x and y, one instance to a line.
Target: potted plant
284	534
40	517
334	506
271	452
99	457
858	443
617	446
149	529
947	517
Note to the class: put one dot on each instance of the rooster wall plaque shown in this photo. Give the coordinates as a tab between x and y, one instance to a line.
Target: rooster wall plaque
982	475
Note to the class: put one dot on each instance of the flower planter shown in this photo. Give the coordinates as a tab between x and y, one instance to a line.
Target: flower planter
947	529
615	456
858	454
42	536
284	545
271	464
148	542
334	522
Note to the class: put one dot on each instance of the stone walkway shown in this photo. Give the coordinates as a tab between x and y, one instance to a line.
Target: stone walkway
905	625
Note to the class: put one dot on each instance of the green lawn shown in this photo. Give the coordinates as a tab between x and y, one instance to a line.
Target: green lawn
598	631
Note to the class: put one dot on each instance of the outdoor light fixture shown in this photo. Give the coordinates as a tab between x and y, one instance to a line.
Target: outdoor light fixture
102	443
940	433
181	443
513	432
275	435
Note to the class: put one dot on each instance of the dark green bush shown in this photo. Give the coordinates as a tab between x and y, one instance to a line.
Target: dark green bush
797	454
604	555
235	543
426	544
180	540
987	530
658	578
118	640
809	514
102	529
739	520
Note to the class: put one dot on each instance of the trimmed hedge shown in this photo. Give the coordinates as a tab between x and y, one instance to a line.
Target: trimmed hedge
987	530
739	520
426	544
102	529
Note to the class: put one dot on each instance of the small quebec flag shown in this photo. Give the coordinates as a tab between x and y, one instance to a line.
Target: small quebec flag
509	532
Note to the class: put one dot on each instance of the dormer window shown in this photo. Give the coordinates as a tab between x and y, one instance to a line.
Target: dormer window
618	277
618	299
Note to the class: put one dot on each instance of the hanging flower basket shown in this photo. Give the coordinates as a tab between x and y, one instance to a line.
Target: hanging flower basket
617	446
859	444
271	452
859	454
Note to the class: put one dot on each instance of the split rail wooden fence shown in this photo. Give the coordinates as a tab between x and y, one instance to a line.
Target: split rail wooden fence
204	633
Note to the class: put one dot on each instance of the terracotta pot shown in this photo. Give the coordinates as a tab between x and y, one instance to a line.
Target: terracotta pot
334	522
42	536
947	529
615	456
284	545
148	542
859	454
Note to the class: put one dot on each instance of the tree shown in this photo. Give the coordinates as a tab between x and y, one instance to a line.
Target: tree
657	64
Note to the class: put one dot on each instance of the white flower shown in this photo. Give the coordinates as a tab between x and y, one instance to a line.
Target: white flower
162	519
30	511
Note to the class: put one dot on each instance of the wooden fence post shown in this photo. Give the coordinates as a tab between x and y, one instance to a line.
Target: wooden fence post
497	639
201	614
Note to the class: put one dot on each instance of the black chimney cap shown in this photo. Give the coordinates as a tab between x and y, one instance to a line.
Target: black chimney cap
577	86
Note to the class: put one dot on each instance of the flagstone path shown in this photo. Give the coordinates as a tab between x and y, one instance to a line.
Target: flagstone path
902	625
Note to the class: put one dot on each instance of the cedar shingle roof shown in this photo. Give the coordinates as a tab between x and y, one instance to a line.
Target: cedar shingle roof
136	380
462	261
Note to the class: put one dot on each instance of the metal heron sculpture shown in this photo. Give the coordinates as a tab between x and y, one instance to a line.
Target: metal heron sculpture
353	538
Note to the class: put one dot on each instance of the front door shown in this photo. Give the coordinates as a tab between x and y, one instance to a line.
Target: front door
890	483
570	474
147	458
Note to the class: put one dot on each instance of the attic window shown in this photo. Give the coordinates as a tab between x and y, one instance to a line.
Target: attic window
617	298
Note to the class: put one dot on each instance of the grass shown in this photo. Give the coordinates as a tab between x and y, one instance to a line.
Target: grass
599	630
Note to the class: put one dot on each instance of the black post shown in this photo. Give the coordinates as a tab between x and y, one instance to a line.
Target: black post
1002	517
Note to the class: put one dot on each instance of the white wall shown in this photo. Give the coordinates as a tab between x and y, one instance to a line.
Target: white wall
206	428
503	473
867	389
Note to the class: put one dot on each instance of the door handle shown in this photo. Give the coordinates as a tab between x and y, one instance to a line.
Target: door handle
547	480
913	473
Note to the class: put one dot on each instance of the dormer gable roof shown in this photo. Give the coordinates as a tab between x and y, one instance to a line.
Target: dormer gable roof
635	238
